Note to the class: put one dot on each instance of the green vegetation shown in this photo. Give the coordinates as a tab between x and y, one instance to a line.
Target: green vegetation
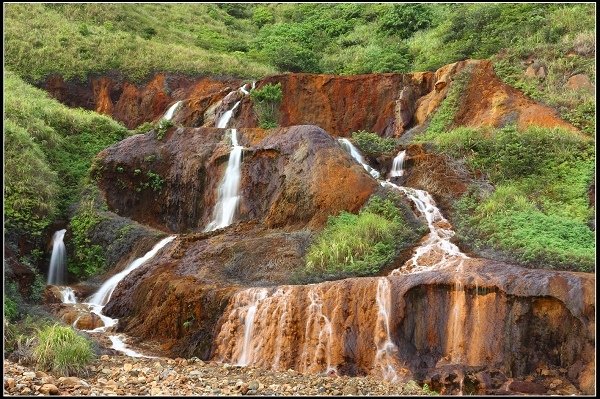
539	210
88	259
446	112
372	145
358	245
48	148
266	102
10	308
61	350
162	127
75	40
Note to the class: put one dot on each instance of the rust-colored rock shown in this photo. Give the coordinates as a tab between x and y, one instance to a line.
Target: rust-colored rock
134	103
493	315
343	104
487	101
292	177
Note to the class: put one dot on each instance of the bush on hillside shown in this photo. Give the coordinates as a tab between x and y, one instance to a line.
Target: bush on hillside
370	144
266	103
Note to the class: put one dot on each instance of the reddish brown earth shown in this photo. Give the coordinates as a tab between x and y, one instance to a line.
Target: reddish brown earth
132	104
291	178
484	329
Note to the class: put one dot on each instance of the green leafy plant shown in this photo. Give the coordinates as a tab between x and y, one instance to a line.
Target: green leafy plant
61	350
372	145
155	181
266	102
88	259
162	127
10	308
358	244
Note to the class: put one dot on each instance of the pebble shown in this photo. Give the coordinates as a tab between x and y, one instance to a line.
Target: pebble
49	389
126	376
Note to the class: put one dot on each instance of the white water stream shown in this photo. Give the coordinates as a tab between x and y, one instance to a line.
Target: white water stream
353	151
97	301
56	273
68	295
398	164
171	111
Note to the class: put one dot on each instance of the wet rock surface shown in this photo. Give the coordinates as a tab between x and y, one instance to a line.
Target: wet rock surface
291	178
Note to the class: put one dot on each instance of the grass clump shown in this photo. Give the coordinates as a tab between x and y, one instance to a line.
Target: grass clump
266	102
539	213
358	244
372	145
61	350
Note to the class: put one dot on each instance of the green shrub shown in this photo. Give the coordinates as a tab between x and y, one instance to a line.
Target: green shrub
88	259
162	127
372	145
403	20
266	102
358	245
10	309
538	213
61	350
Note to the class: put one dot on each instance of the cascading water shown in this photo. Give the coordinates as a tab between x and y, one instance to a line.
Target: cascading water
386	349
398	164
228	196
224	119
68	295
171	111
257	348
347	145
257	296
97	301
56	274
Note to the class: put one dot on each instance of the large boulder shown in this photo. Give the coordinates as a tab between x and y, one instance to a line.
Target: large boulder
295	176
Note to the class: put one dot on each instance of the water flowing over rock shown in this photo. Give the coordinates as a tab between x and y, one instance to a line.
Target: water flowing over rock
171	111
398	165
56	272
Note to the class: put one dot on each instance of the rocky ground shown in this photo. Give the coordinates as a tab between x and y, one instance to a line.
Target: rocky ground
123	375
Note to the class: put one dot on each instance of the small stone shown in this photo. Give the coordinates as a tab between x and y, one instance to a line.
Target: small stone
40	374
106	371
9	383
49	389
29	375
244	388
253	385
127	366
26	390
105	358
155	391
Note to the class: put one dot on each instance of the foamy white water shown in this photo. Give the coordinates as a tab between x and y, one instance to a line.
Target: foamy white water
97	301
56	272
353	151
224	119
68	295
171	111
398	164
386	349
228	195
257	296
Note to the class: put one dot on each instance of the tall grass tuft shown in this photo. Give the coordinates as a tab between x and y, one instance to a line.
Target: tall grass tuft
60	349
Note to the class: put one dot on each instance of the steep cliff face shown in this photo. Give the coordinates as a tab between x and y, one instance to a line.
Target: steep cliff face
493	316
290	178
135	103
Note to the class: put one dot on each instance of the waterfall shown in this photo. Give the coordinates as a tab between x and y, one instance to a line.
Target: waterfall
257	295
68	295
347	145
102	296
171	111
228	196
56	274
398	165
224	119
386	349
97	301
